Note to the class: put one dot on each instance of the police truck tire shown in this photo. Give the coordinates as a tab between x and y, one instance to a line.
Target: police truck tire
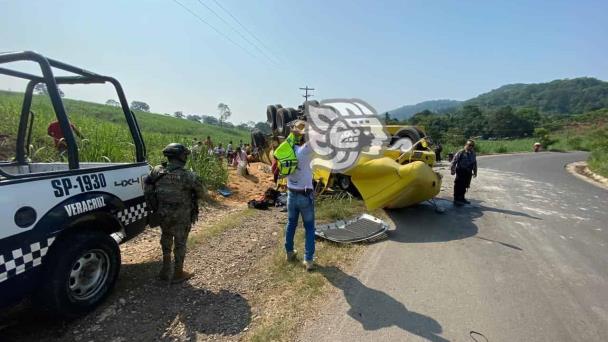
271	116
80	272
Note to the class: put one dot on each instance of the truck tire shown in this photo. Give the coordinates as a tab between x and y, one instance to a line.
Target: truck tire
293	114
409	133
422	134
271	116
258	139
289	115
282	120
81	271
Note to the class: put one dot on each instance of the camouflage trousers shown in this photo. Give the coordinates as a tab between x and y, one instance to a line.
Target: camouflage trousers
175	236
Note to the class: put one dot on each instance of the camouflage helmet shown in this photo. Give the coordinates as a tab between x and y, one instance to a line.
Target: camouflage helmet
175	150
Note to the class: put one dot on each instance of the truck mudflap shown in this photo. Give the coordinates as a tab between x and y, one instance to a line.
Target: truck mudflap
365	228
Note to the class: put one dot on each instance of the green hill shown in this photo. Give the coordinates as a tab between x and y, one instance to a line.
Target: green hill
407	111
568	96
559	97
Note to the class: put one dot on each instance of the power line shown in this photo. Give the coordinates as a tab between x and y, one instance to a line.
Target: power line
214	29
241	24
236	31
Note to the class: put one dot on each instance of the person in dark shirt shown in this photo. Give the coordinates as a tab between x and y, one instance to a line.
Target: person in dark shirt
438	149
464	166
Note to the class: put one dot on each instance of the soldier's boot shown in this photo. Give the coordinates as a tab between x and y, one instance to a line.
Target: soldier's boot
179	275
165	271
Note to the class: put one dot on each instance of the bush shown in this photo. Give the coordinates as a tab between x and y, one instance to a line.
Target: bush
576	143
502	149
213	172
542	135
598	160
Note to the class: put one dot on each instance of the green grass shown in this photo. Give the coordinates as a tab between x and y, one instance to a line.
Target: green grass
593	139
297	292
229	221
327	210
495	146
107	138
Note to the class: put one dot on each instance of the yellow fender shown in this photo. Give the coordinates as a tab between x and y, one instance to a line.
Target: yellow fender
384	183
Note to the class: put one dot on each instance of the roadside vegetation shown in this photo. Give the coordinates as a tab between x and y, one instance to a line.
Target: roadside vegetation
593	140
106	134
296	293
562	115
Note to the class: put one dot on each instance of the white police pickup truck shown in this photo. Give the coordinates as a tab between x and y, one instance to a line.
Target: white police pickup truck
61	222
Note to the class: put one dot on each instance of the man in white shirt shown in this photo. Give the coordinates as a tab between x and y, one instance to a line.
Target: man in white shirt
300	199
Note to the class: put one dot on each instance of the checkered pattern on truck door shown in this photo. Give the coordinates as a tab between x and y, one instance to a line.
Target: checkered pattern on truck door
132	213
21	259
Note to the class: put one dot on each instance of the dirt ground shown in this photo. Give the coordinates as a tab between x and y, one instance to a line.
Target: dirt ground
252	185
214	305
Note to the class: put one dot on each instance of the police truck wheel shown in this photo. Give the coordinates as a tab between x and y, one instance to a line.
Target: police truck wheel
81	271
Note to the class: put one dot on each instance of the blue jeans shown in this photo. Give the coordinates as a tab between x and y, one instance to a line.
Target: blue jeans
300	204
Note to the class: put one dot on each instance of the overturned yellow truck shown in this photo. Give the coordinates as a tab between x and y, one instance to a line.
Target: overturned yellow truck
397	175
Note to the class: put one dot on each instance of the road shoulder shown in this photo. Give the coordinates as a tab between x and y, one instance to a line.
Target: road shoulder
582	171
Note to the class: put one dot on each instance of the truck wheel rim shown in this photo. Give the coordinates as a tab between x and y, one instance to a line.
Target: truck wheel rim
89	274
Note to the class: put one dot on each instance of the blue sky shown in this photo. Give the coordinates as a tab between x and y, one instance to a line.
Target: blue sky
389	53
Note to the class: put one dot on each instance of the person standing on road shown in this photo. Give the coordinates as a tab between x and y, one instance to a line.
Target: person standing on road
177	192
438	149
300	198
464	166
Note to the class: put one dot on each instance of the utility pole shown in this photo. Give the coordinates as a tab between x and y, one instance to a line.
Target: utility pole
306	89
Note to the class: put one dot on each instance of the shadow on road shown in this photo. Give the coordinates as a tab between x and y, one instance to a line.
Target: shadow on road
140	309
376	310
421	223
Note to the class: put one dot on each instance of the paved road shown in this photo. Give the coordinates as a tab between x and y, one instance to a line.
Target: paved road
527	261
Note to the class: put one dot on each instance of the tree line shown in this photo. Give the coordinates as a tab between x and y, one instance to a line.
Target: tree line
224	113
471	121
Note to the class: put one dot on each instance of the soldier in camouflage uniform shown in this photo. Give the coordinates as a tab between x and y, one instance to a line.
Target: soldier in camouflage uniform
177	192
